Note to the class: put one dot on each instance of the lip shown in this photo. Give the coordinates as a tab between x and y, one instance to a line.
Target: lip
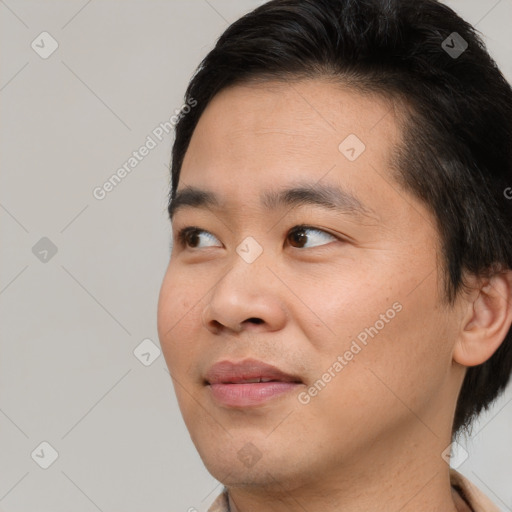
230	372
227	381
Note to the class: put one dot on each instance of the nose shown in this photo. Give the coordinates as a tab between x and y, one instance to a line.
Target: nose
246	298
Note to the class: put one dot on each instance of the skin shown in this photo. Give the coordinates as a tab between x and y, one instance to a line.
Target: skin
372	439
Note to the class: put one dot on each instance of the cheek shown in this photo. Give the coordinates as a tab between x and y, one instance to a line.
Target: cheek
390	381
344	305
401	365
177	317
390	340
178	322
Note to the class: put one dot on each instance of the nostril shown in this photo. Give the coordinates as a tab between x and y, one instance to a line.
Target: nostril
255	320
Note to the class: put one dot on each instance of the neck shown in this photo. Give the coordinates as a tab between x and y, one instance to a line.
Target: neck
434	495
414	479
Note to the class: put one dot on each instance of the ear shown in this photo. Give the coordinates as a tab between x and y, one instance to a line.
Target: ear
487	319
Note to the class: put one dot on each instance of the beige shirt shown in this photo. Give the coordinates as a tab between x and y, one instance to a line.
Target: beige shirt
469	497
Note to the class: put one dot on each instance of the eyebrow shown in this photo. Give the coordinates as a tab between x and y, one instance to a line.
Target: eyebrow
314	194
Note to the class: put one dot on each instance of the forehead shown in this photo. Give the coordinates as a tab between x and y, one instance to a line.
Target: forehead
254	138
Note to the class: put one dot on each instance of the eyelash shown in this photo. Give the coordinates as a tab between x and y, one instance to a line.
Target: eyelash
184	232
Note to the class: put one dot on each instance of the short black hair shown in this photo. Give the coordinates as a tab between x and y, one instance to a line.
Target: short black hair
456	153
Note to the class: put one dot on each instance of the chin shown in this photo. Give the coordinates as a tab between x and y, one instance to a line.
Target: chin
237	462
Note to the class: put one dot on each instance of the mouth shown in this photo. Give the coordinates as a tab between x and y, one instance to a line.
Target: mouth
248	383
247	394
251	381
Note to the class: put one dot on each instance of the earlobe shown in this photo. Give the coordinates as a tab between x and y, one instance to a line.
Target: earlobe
487	322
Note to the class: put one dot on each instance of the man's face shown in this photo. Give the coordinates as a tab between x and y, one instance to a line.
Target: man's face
359	286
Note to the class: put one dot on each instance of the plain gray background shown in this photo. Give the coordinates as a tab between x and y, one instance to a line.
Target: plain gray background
72	320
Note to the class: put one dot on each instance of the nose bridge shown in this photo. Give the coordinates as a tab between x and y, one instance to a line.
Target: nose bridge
253	256
241	283
250	250
244	292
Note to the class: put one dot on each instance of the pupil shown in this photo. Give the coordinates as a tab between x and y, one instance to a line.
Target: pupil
192	238
299	237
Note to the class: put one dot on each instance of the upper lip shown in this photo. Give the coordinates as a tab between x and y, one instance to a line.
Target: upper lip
225	372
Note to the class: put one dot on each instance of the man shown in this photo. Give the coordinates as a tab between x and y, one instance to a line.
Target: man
337	305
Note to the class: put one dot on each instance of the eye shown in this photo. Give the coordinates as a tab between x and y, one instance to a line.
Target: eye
190	237
300	237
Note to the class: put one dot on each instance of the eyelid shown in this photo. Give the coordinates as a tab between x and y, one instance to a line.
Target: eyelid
312	228
183	232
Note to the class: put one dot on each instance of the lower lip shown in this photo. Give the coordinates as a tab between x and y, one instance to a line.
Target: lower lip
245	395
